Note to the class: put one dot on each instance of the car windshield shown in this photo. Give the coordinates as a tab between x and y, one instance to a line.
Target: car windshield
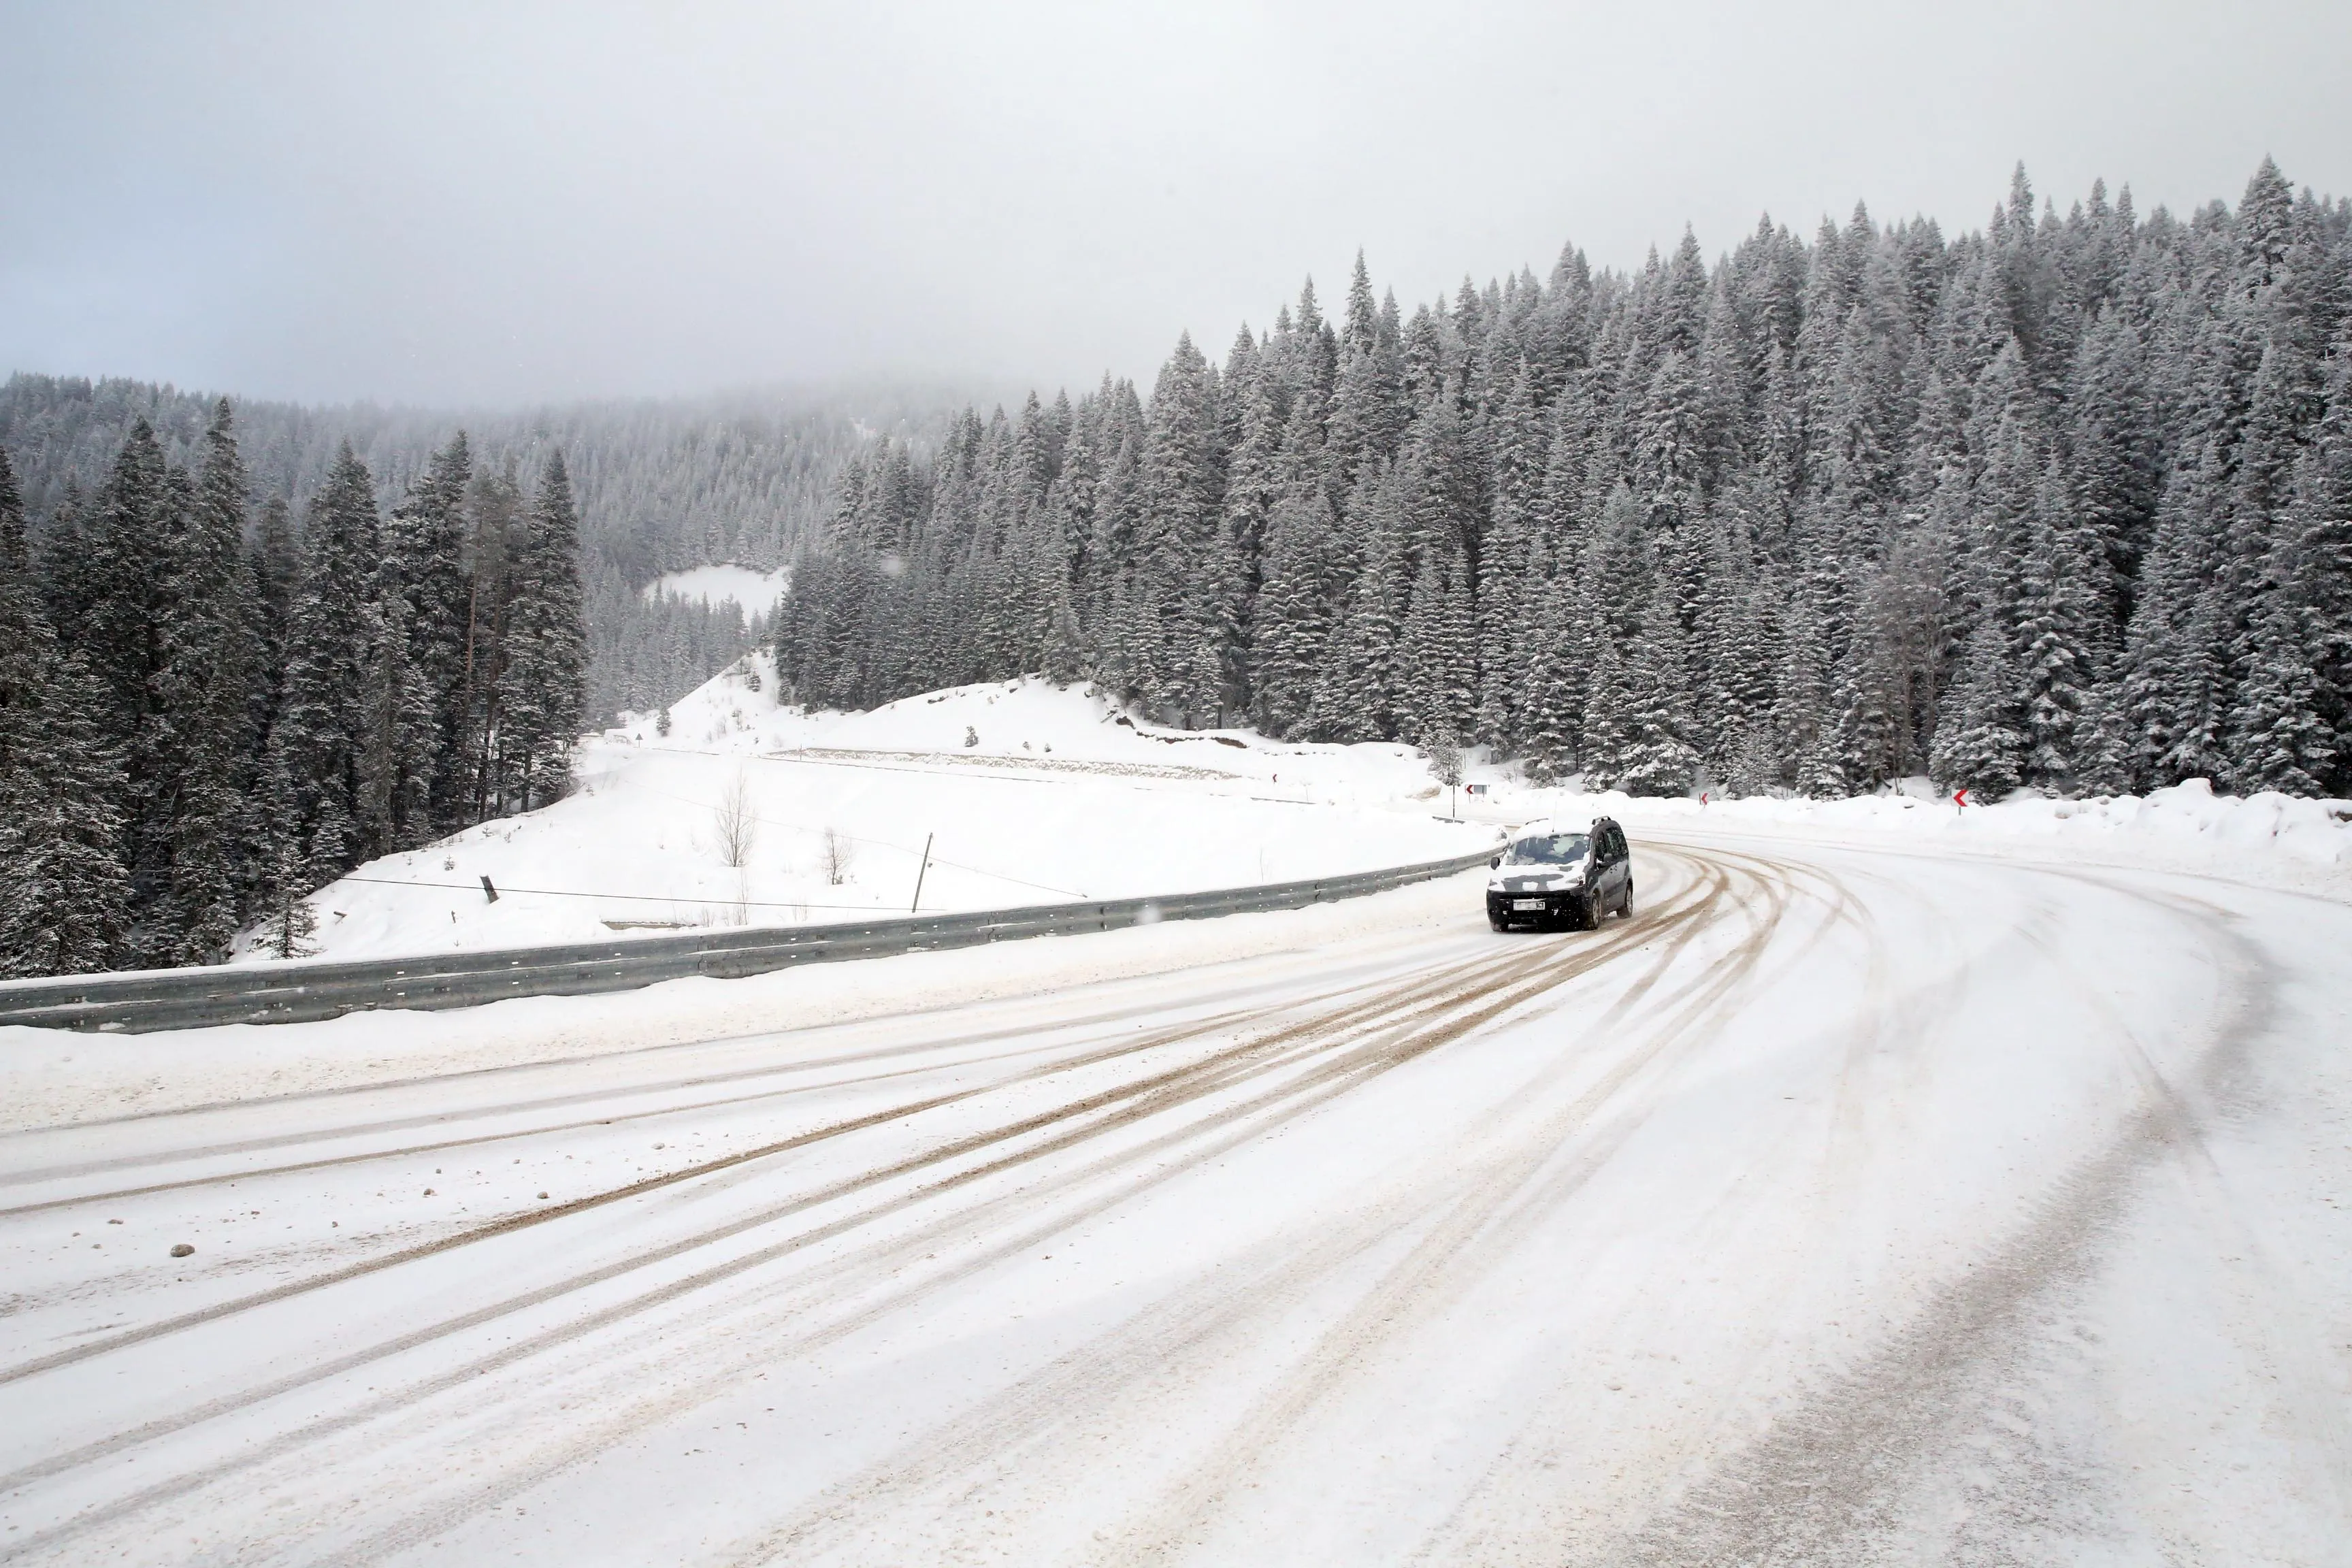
1548	849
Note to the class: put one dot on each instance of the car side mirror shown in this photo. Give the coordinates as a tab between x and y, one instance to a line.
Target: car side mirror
1495	864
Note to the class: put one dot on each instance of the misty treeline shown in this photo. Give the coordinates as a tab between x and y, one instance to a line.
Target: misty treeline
204	718
662	485
2066	503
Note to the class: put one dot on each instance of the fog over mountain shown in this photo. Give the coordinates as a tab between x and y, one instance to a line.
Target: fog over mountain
458	205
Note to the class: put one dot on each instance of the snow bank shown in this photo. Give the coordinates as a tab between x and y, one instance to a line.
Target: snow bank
2267	838
1026	791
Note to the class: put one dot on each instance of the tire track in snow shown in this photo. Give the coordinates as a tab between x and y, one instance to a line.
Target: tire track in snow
2288	1332
1518	1194
460	1378
1438	995
414	1151
1824	1483
1465	1229
1489	1522
1316	1259
1473	974
1787	1524
559	1064
31	1175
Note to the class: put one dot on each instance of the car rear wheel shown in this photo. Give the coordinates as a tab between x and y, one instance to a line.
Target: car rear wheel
1625	901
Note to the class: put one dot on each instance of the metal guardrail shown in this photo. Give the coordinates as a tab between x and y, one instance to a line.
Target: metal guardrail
305	990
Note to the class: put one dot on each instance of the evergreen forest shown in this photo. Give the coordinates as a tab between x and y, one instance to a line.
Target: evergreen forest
2062	504
244	650
205	715
661	485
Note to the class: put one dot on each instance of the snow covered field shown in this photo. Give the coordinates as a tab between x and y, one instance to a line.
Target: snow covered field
1856	1202
1028	793
756	592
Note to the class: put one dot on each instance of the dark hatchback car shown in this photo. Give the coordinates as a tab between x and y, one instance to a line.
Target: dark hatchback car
1561	873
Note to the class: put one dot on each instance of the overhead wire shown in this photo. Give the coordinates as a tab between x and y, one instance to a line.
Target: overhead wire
628	897
936	860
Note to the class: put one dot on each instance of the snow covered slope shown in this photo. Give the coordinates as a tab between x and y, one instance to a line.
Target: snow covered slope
1032	793
757	592
1028	793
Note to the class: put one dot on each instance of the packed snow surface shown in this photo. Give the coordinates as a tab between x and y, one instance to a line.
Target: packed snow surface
1870	1196
756	592
1027	792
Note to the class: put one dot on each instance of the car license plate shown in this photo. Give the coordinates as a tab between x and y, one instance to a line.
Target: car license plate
1527	903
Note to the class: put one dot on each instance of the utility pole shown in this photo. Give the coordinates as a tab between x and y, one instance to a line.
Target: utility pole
919	870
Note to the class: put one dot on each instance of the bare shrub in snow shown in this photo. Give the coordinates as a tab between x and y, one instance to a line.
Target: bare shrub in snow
840	850
735	823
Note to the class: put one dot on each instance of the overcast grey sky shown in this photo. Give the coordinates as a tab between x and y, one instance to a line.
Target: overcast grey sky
479	204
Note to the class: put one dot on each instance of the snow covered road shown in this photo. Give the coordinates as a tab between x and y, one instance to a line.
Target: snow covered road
1844	1206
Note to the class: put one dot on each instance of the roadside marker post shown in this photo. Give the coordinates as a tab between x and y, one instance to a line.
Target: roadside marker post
919	872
